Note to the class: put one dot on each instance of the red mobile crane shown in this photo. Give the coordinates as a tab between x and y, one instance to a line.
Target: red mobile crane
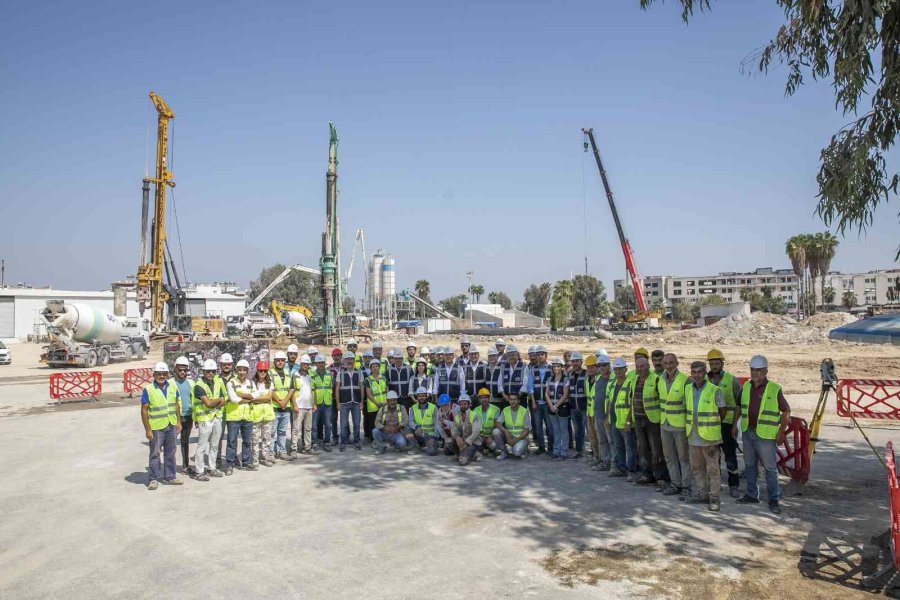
642	312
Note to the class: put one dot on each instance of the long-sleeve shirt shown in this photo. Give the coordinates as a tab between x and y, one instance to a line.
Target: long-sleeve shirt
424	381
386	417
234	386
413	425
468	430
444	421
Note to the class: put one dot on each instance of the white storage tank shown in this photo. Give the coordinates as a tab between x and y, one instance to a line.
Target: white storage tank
82	323
388	279
375	279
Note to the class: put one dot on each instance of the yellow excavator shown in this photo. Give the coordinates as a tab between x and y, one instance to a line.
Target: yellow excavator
294	315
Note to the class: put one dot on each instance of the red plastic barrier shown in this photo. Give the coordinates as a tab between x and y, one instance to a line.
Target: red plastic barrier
134	380
793	455
894	499
76	384
869	398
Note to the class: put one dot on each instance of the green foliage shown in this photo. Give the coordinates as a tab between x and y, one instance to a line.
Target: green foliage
560	313
829	295
713	299
624	299
564	288
588	300
455	305
537	299
297	288
836	40
477	291
423	289
500	298
848	299
685	311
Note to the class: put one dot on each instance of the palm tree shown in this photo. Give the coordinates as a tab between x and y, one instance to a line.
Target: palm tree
827	245
564	289
828	295
848	299
477	290
813	249
797	253
423	289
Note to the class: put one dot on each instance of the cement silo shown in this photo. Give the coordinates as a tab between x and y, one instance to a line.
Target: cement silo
388	279
375	280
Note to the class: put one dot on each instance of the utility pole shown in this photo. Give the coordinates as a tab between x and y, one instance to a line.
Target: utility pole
2	273
470	274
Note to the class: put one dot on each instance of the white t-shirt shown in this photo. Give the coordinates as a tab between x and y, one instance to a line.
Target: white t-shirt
304	396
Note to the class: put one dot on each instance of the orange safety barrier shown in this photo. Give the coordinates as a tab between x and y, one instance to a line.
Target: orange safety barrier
894	499
793	455
134	380
76	384
869	398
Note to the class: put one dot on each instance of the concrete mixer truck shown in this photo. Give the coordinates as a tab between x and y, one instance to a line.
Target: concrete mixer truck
85	336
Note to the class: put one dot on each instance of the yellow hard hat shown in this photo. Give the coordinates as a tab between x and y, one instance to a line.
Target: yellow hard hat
715	354
484	392
642	352
591	360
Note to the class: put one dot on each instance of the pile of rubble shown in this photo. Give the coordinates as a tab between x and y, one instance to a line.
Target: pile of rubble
763	327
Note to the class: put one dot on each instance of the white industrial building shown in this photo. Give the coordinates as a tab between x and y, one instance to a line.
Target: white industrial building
20	307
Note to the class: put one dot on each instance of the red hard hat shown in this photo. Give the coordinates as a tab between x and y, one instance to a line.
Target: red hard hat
262	365
336	352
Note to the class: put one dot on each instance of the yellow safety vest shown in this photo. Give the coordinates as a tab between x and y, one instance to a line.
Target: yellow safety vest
322	387
261	412
235	411
768	419
672	406
589	391
281	382
161	406
709	423
621	403
487	419
379	394
726	384
649	397
199	411
424	420
515	426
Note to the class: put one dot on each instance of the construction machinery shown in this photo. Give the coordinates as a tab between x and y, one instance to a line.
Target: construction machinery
292	316
86	336
275	282
150	292
642	313
359	243
328	264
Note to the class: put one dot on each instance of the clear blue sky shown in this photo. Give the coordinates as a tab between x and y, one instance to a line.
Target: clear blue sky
460	138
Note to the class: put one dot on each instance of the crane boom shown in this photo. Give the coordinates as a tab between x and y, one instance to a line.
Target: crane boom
150	291
358	243
278	280
626	245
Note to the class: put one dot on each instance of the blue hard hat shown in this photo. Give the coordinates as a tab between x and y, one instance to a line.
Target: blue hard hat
444	400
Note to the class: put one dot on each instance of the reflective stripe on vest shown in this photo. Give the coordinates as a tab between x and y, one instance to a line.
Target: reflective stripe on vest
513	378
539	377
161	407
726	384
322	387
768	420
349	390
515	426
426	420
709	424
672	406
379	394
199	411
621	403
281	383
590	389
492	378
453	386
384	414
235	411
651	402
261	412
487	419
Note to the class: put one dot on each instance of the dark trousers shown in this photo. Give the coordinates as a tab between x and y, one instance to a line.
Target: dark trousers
540	419
163	439
649	449
244	430
578	426
187	424
729	451
369	424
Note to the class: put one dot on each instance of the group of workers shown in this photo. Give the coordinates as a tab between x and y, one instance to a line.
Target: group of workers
652	425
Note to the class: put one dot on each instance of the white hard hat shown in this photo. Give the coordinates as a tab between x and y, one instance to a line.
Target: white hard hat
160	367
312	350
492	351
377	344
226	359
620	363
473	348
367	354
348	356
465	397
210	365
759	362
464	340
556	361
448	350
280	355
243	363
320	358
411	344
293	349
352	342
422	360
392	395
532	349
540	349
390	354
576	356
305	360
601	352
373	362
421	390
182	361
602	359
426	350
500	342
511	348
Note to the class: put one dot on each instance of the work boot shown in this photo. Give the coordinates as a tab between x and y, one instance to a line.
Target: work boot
746	499
579	454
660	486
267	462
216	473
153	485
463	461
478	457
629	477
672	490
379	451
201	477
252	467
605	466
502	456
343	448
173	481
358	446
643	480
734	492
229	470
774	507
616	473
540	451
714	505
685	494
327	447
313	450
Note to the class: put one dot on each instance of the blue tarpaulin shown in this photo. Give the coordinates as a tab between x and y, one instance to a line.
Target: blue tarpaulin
880	329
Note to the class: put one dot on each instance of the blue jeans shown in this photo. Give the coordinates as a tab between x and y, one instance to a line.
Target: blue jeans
282	427
578	424
560	435
163	439
758	449
618	448
541	418
631	455
322	415
348	410
244	429
381	439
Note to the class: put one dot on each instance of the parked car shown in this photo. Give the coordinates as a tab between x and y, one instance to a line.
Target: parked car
5	355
